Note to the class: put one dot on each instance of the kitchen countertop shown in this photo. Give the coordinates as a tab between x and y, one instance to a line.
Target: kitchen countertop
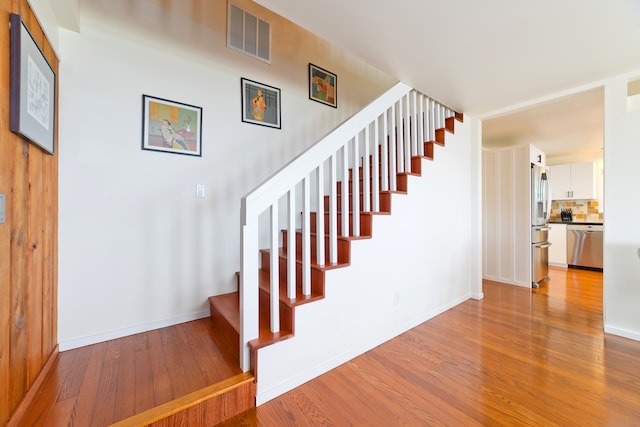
575	222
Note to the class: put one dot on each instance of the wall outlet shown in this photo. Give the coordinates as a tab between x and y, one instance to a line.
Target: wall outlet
200	191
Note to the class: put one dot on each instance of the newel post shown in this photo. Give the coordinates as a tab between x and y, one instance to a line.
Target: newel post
249	257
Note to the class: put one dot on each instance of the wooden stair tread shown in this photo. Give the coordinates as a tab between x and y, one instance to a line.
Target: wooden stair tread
264	279
266	337
283	254
220	390
229	307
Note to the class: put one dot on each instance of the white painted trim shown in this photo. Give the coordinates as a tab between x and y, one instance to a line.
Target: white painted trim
119	333
633	335
345	357
506	282
557	264
477	296
547	98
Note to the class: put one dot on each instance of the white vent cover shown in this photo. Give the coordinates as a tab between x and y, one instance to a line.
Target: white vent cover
249	34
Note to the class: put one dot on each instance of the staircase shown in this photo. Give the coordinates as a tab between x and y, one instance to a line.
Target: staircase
378	148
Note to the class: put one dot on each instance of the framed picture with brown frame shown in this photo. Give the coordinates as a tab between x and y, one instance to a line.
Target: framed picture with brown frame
170	126
32	105
323	86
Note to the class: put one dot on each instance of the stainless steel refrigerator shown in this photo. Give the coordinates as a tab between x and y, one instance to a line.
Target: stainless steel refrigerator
540	209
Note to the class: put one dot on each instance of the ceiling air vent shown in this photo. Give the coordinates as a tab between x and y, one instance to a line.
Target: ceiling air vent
249	34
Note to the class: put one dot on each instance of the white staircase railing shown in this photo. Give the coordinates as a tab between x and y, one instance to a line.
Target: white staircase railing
390	131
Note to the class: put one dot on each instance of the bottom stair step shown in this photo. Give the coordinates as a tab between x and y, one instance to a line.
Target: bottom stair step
225	315
208	406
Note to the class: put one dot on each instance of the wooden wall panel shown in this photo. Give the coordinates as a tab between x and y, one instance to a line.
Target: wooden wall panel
6	174
28	240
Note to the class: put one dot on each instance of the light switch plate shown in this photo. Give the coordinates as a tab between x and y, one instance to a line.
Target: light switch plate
200	191
2	208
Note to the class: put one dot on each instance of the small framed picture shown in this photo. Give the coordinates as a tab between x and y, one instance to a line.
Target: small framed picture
32	88
170	126
260	104
323	86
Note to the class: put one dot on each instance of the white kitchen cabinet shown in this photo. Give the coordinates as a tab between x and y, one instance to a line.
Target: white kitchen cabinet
558	248
560	178
573	181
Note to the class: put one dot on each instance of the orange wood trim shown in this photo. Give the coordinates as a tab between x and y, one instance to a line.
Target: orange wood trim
15	419
170	413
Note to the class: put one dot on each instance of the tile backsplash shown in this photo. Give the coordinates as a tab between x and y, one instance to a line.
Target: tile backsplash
583	210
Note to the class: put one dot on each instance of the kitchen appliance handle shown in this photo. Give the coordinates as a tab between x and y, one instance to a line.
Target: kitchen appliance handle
548	195
542	228
542	245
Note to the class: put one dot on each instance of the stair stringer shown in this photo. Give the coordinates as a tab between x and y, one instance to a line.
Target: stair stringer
418	264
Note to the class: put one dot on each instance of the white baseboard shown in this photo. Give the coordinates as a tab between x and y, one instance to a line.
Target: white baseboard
557	264
263	397
119	333
477	296
634	335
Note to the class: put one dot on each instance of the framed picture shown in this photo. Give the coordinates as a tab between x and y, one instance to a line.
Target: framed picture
323	86
170	126
32	88
260	104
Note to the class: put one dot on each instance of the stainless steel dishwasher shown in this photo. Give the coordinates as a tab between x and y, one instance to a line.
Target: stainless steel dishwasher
584	246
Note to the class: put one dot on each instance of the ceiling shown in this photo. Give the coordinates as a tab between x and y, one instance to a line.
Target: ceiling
566	129
486	57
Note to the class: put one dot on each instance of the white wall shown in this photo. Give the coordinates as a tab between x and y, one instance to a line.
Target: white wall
137	250
422	260
621	223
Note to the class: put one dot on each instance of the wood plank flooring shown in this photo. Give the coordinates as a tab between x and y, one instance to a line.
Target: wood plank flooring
103	383
518	357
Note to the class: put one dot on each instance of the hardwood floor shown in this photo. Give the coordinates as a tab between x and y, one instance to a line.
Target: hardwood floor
518	357
103	383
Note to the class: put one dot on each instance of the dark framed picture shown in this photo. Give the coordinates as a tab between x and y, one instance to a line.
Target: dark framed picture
260	104
323	86
170	126
32	88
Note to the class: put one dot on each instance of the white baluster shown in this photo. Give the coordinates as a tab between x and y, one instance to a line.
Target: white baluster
274	302
366	172
392	149
420	125
407	134
355	191
345	189
333	214
414	126
433	120
306	237
320	214
400	139
375	174
291	243
385	151
430	133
